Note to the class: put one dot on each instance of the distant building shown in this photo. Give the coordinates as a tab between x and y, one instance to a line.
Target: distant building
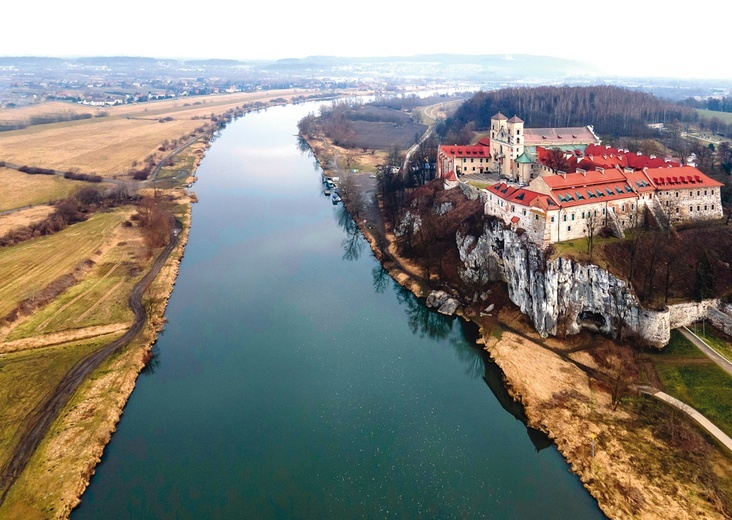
568	182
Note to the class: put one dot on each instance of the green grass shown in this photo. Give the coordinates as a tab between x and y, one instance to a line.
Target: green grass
717	340
708	114
27	376
693	378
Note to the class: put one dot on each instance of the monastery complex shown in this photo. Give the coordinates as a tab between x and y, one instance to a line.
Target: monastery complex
596	187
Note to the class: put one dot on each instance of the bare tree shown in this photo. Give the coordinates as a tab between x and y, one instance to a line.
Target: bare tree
592	224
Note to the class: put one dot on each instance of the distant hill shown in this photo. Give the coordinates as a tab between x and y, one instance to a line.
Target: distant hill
453	66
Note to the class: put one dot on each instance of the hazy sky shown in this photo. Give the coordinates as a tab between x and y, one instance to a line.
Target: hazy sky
627	37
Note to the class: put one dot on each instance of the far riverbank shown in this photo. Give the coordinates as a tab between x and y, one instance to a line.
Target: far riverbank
614	450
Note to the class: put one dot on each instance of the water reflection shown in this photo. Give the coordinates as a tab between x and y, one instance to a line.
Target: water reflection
153	361
381	278
354	242
478	364
493	377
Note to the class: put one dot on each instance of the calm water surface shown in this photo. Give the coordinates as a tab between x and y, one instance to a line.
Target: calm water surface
294	379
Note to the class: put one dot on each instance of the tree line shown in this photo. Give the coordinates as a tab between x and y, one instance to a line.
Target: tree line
716	104
613	111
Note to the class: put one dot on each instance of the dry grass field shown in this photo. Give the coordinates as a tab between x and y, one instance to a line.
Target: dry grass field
20	189
112	145
23	218
105	146
30	266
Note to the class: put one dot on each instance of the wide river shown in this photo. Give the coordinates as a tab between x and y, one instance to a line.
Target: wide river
294	379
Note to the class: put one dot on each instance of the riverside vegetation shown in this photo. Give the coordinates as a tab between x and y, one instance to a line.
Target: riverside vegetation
638	457
71	252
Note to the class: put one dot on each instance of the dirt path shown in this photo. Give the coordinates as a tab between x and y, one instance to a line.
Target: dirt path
39	420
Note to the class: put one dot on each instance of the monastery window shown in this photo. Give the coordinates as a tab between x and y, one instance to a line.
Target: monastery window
569	228
632	207
603	211
712	207
712	192
705	192
565	218
518	140
536	217
677	211
622	208
583	214
513	208
572	216
698	193
698	208
524	212
552	219
705	207
677	194
691	208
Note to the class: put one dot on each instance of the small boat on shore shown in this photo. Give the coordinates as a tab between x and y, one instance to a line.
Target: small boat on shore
335	198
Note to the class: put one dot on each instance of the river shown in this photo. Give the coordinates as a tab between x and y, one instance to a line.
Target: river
295	379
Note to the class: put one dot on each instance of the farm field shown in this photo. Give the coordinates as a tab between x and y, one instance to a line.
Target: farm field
20	189
114	144
30	266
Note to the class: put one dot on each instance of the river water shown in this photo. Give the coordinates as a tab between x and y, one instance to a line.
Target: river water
295	379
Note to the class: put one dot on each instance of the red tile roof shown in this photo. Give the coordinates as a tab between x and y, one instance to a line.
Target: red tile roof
577	179
680	177
522	196
466	150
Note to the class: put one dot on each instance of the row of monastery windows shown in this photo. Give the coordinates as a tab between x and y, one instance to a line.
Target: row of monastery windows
691	193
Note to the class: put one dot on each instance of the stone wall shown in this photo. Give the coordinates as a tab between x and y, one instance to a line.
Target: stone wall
721	320
684	314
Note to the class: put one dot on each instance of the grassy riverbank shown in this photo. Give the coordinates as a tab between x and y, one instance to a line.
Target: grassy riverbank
67	292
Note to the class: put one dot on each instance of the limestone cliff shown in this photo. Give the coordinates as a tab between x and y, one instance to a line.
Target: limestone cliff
561	296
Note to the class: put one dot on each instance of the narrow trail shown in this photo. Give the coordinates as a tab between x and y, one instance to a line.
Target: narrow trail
38	421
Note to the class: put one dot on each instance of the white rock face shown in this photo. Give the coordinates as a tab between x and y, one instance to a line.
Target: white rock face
561	296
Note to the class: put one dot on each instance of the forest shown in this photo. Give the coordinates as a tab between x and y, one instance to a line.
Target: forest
612	111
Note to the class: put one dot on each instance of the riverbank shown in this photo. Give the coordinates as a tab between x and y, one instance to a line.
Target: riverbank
636	458
65	460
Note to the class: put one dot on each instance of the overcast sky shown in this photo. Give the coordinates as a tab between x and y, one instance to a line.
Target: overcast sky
626	37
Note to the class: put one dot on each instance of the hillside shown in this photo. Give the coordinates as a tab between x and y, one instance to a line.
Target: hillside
613	111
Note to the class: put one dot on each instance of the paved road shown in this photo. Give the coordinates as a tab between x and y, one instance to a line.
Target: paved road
37	422
705	423
719	360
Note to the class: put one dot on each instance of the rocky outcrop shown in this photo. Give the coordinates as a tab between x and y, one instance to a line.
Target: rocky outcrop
561	296
443	302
